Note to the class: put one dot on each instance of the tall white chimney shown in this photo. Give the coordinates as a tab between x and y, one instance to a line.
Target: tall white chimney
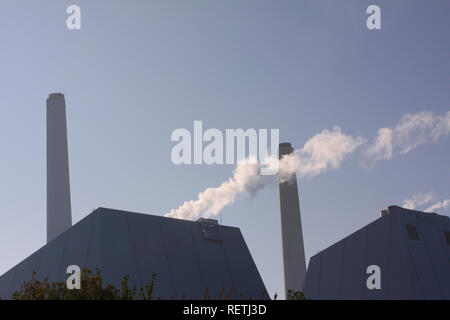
291	231
59	212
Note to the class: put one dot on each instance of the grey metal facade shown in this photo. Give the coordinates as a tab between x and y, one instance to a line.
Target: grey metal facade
411	248
186	256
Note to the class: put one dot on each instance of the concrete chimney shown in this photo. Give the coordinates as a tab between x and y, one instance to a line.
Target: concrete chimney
291	231
59	212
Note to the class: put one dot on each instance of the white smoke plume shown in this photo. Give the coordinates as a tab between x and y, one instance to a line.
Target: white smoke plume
324	150
410	132
245	180
440	205
417	200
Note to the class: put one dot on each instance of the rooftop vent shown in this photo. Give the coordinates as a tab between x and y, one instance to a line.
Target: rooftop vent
210	229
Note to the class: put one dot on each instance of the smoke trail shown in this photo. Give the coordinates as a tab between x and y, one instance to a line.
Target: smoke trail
417	200
410	132
440	205
324	150
245	180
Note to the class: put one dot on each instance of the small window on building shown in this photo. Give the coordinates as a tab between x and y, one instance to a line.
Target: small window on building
412	232
447	237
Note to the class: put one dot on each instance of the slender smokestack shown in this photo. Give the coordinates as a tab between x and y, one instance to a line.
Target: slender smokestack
59	213
291	231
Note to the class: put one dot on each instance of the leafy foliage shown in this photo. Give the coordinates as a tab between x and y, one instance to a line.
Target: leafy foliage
92	288
295	295
292	295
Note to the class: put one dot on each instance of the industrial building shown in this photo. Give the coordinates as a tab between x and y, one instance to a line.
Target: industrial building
411	249
186	256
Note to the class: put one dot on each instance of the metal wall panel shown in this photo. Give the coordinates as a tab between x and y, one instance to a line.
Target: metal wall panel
94	245
76	248
183	259
50	264
376	254
243	269
353	268
148	242
23	272
6	282
212	261
312	280
436	248
331	271
117	255
420	258
443	224
399	276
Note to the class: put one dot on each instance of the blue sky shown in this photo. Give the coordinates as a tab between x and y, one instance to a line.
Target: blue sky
137	70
